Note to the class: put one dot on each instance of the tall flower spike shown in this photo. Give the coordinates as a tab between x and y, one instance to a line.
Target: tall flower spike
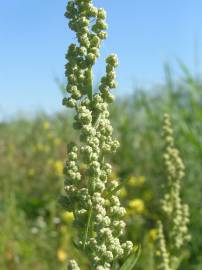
176	213
163	257
98	215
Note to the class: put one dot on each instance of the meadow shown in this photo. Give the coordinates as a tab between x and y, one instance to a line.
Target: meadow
37	233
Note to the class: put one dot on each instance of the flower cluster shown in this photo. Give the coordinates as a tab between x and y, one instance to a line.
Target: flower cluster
176	213
89	193
163	256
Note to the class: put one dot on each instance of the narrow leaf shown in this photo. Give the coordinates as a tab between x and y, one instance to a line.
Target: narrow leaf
116	189
131	261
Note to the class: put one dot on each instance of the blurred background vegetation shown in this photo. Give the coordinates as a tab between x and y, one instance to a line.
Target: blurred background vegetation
36	233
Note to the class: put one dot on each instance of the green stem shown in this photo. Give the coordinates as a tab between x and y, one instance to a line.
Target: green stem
89	80
114	265
87	227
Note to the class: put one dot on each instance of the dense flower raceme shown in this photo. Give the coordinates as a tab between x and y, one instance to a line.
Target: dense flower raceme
89	193
176	213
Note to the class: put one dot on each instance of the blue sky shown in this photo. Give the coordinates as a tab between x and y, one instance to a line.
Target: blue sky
34	38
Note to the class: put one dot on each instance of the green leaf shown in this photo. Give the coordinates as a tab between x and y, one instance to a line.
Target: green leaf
176	264
131	261
116	189
188	76
168	77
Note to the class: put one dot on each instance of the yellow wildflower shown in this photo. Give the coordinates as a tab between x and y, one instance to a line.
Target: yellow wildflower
153	235
62	255
136	181
132	181
41	148
46	125
31	172
68	217
137	205
58	167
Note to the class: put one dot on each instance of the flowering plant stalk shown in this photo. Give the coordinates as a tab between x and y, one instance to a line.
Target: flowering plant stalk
90	195
176	213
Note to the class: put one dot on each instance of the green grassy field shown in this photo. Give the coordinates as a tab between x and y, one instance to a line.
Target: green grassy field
35	231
